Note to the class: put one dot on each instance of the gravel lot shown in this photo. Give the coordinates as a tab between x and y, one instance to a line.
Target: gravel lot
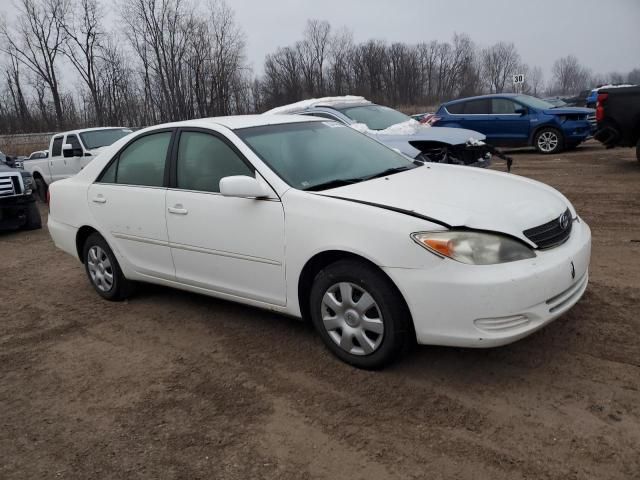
176	385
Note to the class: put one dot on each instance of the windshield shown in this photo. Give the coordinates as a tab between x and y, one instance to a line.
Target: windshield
309	155
533	102
102	138
375	117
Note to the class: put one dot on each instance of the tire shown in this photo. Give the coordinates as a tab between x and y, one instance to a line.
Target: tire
103	270
548	141
371	337
34	221
41	190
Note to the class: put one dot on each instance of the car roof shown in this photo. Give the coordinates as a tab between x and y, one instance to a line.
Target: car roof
236	122
330	102
83	130
479	97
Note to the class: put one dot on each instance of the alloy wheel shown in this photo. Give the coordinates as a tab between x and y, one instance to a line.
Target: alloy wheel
548	141
352	318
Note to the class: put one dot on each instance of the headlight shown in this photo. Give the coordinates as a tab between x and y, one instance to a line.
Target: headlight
28	184
474	248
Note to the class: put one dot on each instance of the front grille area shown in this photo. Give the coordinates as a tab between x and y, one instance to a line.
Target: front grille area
553	233
7	186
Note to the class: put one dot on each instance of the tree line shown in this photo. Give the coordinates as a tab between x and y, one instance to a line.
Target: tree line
64	67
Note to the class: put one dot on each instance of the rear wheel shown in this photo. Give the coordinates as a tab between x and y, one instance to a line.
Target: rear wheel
359	314
548	141
103	269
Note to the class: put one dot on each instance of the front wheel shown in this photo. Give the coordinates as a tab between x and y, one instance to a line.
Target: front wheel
359	314
548	141
34	221
103	269
41	190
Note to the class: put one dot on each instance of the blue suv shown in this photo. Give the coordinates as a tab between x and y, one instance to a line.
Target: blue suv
514	120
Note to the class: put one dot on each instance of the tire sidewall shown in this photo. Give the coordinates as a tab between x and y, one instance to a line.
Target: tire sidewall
559	146
116	290
41	189
386	296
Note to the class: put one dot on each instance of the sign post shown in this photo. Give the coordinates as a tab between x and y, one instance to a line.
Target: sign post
518	81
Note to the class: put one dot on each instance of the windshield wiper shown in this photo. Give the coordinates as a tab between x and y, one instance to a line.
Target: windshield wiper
389	171
336	182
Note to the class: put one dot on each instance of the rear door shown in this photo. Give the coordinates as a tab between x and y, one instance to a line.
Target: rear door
472	114
508	127
128	204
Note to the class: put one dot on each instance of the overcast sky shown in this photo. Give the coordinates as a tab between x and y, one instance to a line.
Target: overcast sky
603	34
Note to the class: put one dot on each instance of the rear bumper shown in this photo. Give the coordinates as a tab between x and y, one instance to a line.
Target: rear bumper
63	236
485	306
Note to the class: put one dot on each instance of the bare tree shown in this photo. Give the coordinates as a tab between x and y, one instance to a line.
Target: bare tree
569	75
37	41
83	46
499	63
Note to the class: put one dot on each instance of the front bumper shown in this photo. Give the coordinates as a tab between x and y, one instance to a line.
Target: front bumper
13	211
485	306
576	132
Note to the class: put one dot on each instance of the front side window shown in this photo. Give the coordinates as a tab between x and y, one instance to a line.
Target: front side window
204	159
310	155
74	142
503	106
56	149
142	162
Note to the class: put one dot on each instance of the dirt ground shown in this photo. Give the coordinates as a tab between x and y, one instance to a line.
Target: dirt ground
176	385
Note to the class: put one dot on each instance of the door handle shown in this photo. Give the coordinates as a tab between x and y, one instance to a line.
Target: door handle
178	210
99	199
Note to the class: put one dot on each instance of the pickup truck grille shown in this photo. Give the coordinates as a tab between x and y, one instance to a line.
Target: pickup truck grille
9	185
553	233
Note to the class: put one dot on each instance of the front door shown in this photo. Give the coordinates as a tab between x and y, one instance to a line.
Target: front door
233	246
511	127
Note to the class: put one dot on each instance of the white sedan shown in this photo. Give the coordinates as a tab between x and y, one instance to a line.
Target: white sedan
312	219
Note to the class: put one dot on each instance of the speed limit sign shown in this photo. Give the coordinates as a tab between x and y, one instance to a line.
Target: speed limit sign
518	78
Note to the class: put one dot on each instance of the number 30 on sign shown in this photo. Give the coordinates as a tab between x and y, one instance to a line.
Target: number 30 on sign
519	78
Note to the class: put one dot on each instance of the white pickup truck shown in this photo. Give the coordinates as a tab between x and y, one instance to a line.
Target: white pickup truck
70	152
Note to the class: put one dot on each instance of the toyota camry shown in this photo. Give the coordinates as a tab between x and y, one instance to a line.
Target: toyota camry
313	219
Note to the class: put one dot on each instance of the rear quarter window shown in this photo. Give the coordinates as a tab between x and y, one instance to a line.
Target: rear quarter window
455	108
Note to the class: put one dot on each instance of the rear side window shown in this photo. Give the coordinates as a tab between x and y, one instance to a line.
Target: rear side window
455	108
203	160
56	149
142	162
478	107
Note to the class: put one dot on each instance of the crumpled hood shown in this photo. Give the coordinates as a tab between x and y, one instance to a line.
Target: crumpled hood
569	111
464	197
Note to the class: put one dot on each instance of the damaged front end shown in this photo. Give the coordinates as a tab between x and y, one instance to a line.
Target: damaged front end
473	153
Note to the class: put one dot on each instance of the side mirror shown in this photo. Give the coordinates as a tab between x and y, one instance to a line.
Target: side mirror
521	111
69	151
242	186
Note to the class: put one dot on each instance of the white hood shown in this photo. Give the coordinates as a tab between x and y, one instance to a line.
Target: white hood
464	197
